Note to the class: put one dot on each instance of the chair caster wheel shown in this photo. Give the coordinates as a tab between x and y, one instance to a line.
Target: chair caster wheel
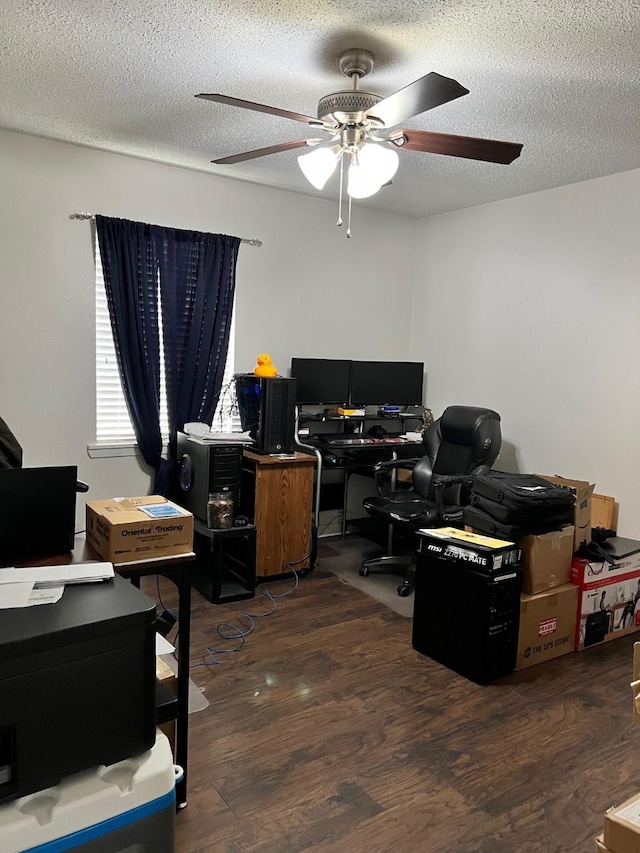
363	571
404	590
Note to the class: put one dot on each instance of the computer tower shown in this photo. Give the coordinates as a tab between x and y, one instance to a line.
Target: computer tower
466	615
205	467
267	411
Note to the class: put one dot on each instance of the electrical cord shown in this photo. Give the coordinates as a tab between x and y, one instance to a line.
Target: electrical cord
227	631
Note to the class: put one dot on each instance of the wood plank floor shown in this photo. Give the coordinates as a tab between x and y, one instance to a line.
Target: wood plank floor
328	732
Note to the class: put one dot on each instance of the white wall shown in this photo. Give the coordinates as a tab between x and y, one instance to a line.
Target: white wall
532	306
307	292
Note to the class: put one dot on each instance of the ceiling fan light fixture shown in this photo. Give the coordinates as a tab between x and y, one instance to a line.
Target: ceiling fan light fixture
318	165
379	159
372	166
362	182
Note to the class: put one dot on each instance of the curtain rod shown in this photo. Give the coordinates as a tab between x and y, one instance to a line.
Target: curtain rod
249	241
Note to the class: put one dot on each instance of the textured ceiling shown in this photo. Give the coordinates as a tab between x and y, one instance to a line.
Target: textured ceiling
559	76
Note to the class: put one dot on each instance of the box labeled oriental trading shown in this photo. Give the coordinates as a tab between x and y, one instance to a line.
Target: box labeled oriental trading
609	597
125	530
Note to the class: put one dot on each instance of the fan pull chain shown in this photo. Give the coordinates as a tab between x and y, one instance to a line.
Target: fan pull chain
339	222
349	222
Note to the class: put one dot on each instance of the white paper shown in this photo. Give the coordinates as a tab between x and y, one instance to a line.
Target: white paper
48	595
15	594
57	575
163	646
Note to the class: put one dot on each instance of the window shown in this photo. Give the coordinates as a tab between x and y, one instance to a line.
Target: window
113	425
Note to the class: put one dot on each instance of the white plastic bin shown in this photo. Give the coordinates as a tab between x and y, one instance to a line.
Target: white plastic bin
128	805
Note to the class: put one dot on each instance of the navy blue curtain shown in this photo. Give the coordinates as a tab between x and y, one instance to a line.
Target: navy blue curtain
197	283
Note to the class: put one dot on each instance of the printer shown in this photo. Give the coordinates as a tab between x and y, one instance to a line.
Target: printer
77	684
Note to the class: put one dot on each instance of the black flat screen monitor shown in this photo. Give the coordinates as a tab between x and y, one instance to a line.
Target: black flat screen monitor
321	381
37	512
386	383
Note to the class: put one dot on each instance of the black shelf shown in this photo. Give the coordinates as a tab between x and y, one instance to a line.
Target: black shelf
225	567
166	704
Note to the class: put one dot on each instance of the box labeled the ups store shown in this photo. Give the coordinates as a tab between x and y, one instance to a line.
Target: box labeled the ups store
622	827
483	553
123	530
547	625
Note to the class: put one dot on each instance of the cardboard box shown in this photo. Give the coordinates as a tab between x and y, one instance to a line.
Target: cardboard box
462	546
608	603
603	511
622	827
124	530
546	560
547	625
635	684
583	490
600	848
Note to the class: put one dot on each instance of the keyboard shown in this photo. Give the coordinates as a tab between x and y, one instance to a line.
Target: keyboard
351	440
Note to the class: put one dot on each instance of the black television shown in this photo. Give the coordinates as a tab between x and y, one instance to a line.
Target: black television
321	381
386	383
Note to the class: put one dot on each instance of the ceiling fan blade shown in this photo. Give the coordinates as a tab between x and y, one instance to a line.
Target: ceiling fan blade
260	108
424	94
490	150
262	152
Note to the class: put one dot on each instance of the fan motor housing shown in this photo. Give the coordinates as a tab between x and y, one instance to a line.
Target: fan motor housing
347	106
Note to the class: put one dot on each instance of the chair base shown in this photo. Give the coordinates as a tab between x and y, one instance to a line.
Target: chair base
392	564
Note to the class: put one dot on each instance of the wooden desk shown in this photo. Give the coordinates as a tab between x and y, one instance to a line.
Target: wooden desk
174	568
278	497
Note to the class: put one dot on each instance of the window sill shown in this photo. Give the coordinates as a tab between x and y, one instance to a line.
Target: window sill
105	450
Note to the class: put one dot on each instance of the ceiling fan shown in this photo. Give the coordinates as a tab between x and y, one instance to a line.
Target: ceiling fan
360	127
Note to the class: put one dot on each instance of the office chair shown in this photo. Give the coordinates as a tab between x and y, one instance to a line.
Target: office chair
463	442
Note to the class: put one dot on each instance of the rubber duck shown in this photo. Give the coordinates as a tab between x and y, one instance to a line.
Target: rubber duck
264	366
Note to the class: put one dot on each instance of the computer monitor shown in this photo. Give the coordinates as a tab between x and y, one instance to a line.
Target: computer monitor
386	383
37	512
321	381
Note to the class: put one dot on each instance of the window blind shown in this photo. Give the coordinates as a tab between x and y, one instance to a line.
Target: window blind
113	425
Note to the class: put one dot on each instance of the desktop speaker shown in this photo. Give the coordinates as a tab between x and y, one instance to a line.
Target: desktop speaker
267	411
205	468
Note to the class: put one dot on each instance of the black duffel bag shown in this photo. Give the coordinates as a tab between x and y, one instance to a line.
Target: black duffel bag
523	492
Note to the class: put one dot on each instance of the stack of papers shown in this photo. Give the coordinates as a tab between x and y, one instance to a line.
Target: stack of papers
45	584
205	433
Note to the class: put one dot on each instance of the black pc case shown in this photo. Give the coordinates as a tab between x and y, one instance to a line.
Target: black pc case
267	411
467	609
205	467
77	684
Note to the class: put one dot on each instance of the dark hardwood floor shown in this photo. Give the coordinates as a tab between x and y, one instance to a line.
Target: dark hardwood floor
328	732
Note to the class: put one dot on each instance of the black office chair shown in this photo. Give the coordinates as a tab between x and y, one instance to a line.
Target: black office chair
463	442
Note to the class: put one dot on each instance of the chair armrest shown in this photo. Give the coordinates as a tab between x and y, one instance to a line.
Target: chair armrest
381	468
441	482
